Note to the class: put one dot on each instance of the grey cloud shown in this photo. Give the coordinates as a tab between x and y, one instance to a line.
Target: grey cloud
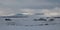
33	4
54	1
15	5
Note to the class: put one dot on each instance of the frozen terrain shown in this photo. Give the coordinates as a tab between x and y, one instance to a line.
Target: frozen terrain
29	24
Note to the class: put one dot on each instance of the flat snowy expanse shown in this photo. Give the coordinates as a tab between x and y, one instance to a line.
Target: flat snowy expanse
28	24
48	27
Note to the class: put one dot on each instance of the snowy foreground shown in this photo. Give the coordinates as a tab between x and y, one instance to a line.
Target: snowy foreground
29	24
50	27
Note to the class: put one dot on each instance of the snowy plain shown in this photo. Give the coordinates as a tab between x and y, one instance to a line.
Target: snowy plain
28	24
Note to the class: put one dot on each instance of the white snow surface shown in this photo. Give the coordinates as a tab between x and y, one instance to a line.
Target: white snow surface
28	24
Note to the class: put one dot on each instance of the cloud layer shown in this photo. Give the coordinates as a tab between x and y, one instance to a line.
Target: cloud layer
28	6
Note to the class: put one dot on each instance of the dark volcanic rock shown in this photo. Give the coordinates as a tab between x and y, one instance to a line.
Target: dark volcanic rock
7	19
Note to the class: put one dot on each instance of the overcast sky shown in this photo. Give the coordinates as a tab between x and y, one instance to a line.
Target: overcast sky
29	6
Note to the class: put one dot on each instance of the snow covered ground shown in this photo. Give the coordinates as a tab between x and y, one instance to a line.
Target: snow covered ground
50	27
29	24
